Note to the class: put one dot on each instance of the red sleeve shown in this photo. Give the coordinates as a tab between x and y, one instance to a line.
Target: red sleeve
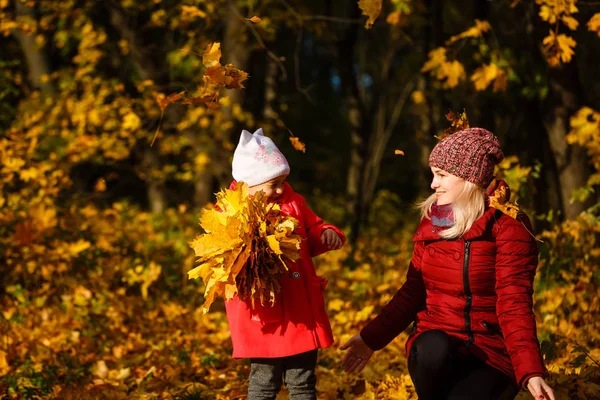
315	226
516	262
401	309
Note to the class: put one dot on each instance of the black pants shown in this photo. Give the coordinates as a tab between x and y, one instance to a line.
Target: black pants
441	369
298	371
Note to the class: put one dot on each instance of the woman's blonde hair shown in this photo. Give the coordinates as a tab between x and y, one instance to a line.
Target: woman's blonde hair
467	208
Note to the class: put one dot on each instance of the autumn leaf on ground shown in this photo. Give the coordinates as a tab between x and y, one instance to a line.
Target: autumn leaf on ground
370	8
244	248
254	19
298	145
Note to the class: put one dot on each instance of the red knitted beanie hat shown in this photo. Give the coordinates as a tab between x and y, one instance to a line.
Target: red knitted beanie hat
470	154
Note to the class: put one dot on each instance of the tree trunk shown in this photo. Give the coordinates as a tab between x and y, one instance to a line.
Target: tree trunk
145	68
155	189
37	61
269	113
571	160
358	127
236	51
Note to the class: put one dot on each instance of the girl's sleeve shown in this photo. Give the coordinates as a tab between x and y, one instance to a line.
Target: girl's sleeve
315	226
516	262
402	308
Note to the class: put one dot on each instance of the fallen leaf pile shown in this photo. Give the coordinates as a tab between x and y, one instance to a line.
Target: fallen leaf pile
244	247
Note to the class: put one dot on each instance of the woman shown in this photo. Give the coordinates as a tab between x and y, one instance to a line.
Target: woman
468	289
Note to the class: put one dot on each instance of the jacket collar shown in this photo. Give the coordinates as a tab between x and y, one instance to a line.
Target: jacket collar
427	231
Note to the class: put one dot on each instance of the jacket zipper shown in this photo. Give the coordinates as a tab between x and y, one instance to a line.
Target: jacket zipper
468	293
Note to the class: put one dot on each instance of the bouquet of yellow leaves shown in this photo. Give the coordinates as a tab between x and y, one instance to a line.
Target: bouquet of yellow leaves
243	249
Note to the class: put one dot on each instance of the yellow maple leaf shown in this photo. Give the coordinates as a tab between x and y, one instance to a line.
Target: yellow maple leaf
594	24
243	249
558	48
212	55
484	75
435	58
370	8
571	22
454	72
475	31
190	13
585	127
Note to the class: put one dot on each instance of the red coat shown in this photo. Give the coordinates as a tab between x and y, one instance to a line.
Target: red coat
477	288
298	320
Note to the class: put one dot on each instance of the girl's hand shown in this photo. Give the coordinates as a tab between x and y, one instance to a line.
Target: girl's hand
358	354
539	389
331	239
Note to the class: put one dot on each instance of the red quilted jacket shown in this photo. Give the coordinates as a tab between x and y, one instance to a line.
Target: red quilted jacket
298	320
477	288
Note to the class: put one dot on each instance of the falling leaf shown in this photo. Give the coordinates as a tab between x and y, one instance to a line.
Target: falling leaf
298	145
399	152
254	19
370	8
244	248
212	55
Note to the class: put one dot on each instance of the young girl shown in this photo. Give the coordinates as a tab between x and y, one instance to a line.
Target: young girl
468	289
282	341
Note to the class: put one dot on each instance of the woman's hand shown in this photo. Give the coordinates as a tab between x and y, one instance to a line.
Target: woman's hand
539	389
358	354
331	239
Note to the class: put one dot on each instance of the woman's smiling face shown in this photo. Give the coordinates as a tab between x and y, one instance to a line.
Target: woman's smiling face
447	186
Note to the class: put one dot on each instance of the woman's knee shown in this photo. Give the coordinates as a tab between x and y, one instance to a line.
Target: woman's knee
431	349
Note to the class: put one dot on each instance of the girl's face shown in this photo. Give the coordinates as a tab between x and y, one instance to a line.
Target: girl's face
447	186
273	188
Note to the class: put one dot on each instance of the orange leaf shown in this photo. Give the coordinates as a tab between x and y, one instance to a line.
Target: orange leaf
172	98
298	145
399	152
254	19
212	55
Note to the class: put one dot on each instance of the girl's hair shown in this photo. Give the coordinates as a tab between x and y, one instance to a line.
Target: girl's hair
467	208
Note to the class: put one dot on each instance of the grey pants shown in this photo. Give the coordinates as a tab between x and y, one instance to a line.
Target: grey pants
298	372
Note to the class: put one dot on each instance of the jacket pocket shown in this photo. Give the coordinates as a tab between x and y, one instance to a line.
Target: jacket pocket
267	314
317	298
